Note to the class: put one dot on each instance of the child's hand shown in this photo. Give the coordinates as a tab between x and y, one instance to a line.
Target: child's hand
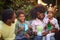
30	27
35	33
48	21
45	33
27	36
22	28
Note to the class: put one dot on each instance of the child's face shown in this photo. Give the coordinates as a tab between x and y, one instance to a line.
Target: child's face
40	15
21	17
50	14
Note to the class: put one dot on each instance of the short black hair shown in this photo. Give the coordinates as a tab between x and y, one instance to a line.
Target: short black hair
38	8
7	14
18	12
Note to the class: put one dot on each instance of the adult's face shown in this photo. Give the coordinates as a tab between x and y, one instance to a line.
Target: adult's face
40	15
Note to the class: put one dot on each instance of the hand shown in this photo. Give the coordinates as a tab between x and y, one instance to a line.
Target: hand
34	33
30	27
51	23
27	36
48	22
22	28
44	33
45	27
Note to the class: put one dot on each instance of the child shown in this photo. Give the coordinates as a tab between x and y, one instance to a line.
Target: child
38	23
21	26
7	27
50	8
52	23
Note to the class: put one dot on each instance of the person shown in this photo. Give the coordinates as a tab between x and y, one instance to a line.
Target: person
22	26
51	8
57	34
58	18
51	23
38	24
7	26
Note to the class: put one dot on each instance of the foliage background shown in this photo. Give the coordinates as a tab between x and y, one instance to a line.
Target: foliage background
26	5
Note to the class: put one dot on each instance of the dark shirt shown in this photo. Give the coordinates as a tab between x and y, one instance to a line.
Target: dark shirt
57	35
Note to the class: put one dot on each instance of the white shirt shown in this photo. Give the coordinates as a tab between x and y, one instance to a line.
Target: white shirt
55	22
40	23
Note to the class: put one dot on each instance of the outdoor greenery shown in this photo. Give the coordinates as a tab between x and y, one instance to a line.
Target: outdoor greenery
26	5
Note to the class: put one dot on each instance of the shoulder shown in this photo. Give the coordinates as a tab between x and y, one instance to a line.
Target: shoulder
17	22
1	23
54	19
27	22
34	22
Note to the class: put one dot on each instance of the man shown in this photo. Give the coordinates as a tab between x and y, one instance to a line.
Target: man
7	27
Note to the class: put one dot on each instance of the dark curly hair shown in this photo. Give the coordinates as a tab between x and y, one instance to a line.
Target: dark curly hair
7	14
18	12
38	8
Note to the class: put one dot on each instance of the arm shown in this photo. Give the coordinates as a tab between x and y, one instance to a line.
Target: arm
0	29
18	29
34	28
52	23
56	25
0	35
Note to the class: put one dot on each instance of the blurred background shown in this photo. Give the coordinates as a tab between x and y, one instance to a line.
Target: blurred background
26	5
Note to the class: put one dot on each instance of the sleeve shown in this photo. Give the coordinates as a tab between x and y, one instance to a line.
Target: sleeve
33	26
56	24
29	25
16	27
0	30
27	22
